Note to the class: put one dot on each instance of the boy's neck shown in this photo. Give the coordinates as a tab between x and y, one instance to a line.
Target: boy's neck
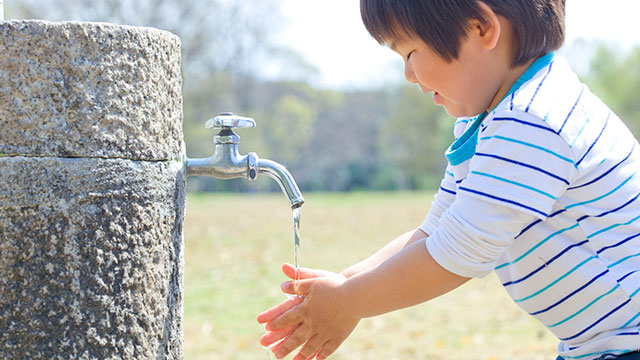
510	77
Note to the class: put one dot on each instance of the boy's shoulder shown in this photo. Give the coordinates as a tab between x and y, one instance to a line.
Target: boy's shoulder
551	93
554	99
542	99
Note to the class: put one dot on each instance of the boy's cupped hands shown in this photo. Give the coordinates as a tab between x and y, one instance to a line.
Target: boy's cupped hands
316	318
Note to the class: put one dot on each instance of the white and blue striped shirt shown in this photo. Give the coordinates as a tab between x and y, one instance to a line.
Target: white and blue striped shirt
548	198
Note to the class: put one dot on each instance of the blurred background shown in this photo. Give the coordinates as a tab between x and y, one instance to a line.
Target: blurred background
321	89
365	147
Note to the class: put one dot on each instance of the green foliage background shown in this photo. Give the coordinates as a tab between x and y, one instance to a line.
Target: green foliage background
389	137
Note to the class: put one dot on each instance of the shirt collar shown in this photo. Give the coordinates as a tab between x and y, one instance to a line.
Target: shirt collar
464	147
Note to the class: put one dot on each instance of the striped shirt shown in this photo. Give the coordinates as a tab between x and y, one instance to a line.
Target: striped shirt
548	199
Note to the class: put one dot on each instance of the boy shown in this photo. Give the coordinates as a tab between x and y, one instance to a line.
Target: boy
541	187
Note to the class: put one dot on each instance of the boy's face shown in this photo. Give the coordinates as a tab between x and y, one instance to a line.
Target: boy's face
466	86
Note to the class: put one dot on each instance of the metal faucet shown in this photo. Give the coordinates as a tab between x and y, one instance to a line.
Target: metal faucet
227	163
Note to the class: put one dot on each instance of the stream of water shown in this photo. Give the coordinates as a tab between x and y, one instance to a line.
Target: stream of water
296	258
296	242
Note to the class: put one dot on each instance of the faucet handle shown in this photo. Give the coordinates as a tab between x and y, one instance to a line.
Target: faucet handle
228	120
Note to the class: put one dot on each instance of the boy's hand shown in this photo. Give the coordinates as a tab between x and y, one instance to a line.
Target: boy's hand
319	322
305	273
272	337
290	271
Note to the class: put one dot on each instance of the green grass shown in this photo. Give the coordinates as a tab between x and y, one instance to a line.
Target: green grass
235	244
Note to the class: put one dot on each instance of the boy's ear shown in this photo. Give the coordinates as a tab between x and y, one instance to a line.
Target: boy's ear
487	30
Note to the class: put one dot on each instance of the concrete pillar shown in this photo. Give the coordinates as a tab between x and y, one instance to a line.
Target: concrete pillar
91	192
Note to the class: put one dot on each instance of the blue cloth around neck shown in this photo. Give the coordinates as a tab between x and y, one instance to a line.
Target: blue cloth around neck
464	147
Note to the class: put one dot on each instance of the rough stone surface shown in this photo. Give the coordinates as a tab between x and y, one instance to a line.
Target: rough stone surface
98	89
92	259
91	192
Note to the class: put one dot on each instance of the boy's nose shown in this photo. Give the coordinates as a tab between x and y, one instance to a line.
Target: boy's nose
409	74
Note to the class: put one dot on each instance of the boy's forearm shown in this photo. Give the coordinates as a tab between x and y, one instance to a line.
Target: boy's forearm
409	277
385	252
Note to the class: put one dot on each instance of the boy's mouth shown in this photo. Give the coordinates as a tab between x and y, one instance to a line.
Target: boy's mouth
437	98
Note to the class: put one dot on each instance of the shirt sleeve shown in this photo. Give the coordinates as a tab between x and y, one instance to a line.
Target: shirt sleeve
520	169
472	235
442	200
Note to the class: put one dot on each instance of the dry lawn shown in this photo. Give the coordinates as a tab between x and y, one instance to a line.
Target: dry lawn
235	244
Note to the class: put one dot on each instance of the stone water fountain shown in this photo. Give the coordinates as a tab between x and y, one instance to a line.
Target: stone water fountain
92	198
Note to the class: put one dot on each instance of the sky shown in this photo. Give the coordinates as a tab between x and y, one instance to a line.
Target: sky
329	34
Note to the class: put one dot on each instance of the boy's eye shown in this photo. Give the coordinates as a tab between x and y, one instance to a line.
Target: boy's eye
409	55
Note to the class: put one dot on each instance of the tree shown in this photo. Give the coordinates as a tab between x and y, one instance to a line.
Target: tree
413	139
216	35
226	45
616	79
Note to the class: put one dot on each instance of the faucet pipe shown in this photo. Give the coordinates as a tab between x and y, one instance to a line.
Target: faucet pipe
227	163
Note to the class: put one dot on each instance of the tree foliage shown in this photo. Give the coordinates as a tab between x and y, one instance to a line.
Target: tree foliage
413	138
331	140
616	79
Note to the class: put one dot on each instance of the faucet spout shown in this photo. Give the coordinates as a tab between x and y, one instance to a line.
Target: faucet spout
283	177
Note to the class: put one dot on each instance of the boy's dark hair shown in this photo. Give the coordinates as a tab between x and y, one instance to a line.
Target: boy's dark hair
441	24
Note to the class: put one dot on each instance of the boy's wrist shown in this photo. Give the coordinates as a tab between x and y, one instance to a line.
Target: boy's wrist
347	301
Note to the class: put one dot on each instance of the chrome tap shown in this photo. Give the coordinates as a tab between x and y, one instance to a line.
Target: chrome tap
227	163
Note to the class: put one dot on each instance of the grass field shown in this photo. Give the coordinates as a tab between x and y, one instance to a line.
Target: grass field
235	244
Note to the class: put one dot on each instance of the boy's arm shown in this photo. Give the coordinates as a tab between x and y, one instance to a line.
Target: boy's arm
407	278
385	252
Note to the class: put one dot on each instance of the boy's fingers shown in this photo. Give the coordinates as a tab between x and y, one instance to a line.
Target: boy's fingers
293	341
328	349
288	287
305	273
274	348
300	287
310	348
290	318
290	271
316	353
275	336
278	310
